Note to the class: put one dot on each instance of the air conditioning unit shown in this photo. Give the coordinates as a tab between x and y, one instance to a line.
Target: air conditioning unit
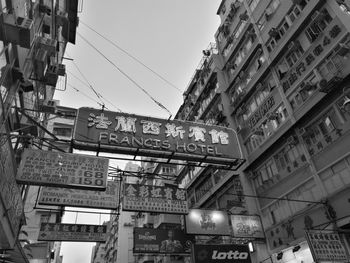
47	44
17	30
61	69
220	107
40	62
49	106
268	13
51	75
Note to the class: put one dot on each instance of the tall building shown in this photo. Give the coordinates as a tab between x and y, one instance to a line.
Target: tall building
282	70
33	35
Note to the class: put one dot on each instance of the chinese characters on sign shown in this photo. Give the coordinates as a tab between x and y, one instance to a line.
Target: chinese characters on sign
326	246
63	169
132	134
108	199
149	198
72	232
245	226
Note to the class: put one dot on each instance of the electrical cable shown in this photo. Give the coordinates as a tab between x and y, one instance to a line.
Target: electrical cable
133	57
87	96
126	75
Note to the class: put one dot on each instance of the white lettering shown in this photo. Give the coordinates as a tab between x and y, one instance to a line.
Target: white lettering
229	255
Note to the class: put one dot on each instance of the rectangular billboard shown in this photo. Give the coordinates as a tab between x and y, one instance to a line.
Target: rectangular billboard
150	198
223	253
108	199
326	246
146	136
207	222
247	226
72	232
164	241
69	170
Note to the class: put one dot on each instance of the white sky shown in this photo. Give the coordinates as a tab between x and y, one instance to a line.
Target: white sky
167	36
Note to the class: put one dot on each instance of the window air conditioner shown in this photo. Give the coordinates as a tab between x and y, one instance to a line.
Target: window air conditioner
17	30
48	44
51	75
49	106
61	71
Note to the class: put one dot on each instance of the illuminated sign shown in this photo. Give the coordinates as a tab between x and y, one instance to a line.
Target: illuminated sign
326	246
207	222
165	241
145	136
221	253
72	232
150	198
246	226
108	199
49	168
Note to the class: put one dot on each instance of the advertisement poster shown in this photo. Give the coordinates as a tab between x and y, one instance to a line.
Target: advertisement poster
153	137
326	246
207	222
164	241
72	232
108	199
247	226
47	168
150	198
221	253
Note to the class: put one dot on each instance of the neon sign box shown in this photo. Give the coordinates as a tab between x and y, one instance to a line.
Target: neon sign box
146	136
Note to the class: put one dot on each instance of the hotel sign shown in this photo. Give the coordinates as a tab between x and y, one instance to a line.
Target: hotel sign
150	198
146	136
49	168
108	199
72	232
247	226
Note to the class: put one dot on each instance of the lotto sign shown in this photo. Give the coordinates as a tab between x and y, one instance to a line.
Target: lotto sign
326	246
72	232
108	199
221	253
149	198
49	168
145	136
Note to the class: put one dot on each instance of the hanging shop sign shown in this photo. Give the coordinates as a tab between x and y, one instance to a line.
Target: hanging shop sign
72	232
207	222
326	246
108	199
146	136
221	253
247	226
165	241
150	198
70	170
10	195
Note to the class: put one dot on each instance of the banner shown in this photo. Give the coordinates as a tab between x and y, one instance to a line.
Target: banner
72	232
326	246
207	222
70	170
221	253
165	241
150	198
247	226
146	136
108	199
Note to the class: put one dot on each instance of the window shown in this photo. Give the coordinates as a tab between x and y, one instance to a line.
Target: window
62	131
253	4
294	13
318	24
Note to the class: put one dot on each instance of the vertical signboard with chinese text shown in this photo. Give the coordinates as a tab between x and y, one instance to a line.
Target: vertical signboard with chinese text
247	226
70	170
221	253
207	222
108	199
145	136
72	232
165	241
151	198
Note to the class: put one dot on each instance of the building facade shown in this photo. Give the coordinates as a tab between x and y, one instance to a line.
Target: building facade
282	72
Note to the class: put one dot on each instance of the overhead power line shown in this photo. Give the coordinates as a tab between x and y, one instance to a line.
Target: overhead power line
133	57
126	75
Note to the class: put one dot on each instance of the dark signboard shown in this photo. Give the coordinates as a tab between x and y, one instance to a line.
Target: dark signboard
49	168
207	222
247	226
146	136
326	246
164	241
72	232
221	253
108	199
150	198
